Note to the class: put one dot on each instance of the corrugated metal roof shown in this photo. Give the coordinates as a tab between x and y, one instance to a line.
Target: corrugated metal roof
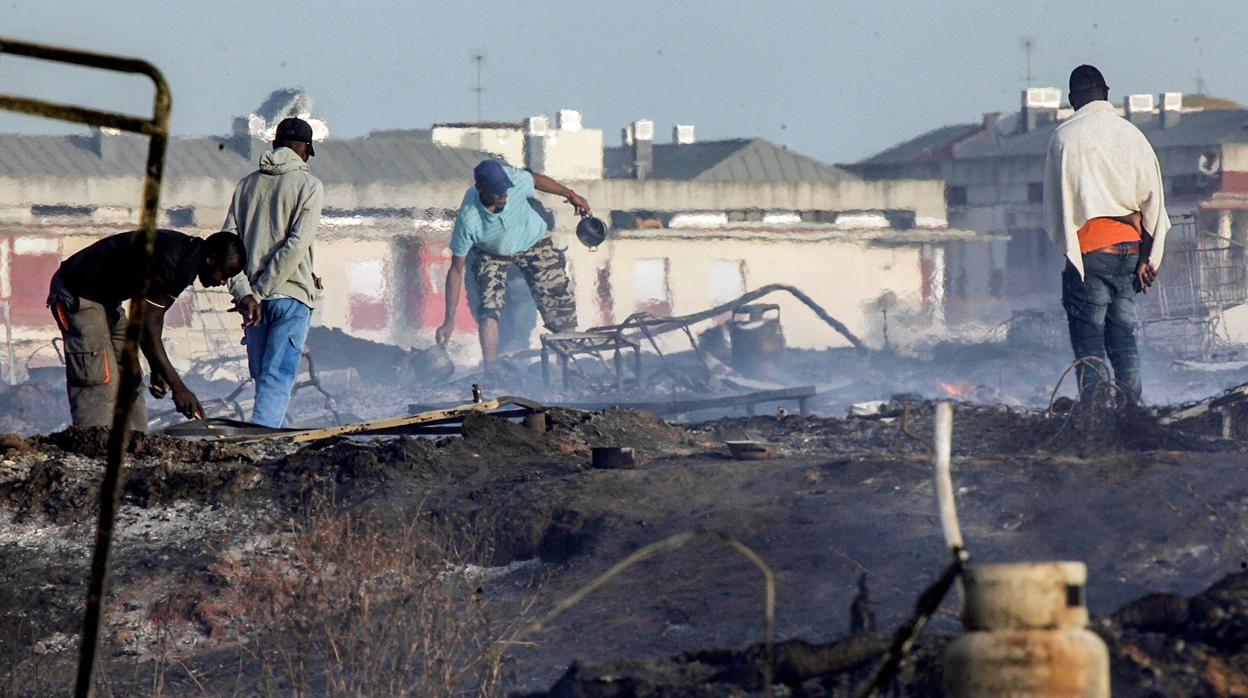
915	149
354	160
733	160
1197	128
992	145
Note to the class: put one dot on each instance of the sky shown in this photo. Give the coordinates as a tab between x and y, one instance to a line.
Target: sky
834	80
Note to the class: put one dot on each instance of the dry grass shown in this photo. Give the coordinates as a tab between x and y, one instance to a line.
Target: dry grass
354	607
338	605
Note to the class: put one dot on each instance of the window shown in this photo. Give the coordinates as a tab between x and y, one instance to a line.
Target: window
62	212
181	217
1035	192
651	293
955	196
366	286
727	280
27	269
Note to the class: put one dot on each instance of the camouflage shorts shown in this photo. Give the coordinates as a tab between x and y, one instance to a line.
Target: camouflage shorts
544	269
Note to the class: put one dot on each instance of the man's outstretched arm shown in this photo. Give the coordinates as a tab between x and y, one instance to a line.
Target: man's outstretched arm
550	186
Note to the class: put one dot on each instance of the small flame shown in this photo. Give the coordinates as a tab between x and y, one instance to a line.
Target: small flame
957	388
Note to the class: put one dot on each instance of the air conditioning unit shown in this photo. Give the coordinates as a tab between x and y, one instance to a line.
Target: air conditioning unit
1172	101
1139	103
1209	163
1042	98
568	120
643	130
683	134
537	125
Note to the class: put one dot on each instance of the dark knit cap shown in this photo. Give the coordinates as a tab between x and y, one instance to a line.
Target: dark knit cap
1086	78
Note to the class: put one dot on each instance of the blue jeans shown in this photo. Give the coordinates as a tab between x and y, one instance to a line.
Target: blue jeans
274	348
1100	309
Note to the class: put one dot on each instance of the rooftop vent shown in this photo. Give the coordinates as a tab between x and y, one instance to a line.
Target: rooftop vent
537	125
643	130
1042	97
1138	108
640	139
568	120
683	134
1040	105
1171	108
1138	103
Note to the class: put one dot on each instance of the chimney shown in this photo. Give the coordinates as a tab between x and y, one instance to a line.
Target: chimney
1171	108
105	142
682	134
1138	108
1040	105
643	148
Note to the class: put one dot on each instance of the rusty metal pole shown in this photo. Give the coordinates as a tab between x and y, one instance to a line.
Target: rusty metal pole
157	129
119	436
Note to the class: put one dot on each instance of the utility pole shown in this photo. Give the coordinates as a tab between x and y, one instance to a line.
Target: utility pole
1200	59
479	59
1029	44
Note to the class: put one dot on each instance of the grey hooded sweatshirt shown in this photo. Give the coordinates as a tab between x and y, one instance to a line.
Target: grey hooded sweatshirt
276	211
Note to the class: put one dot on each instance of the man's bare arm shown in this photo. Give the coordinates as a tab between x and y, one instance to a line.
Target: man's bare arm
550	186
153	346
454	285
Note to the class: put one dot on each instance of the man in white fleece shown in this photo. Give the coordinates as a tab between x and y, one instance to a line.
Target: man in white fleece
1105	207
276	211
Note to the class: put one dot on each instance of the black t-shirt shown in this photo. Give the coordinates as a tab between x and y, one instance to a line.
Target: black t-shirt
107	271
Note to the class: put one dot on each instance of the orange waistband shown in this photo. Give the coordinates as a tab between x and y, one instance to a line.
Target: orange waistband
1103	232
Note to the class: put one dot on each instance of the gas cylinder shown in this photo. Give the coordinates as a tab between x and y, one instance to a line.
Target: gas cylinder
1026	635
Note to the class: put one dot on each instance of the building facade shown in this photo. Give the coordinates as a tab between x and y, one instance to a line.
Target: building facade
390	202
994	184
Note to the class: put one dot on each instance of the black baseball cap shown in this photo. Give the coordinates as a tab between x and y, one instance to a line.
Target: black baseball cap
296	131
1086	77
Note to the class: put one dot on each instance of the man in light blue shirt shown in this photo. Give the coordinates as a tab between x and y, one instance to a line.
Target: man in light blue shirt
497	220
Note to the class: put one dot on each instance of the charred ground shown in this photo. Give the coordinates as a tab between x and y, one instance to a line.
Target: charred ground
1153	510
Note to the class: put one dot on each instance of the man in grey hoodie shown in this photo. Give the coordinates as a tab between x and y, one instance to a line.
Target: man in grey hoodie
276	211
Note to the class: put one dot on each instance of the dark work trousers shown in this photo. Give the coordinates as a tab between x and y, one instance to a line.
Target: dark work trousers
1100	309
93	335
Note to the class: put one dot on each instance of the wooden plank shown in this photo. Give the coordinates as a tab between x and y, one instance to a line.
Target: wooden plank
393	422
679	406
799	393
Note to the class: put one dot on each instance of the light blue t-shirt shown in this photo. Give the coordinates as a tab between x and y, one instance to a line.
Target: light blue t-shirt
512	230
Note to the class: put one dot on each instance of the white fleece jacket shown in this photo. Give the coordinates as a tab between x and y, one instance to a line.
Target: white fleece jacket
1100	165
276	211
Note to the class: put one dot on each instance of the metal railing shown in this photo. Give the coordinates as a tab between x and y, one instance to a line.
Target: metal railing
156	128
1201	275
